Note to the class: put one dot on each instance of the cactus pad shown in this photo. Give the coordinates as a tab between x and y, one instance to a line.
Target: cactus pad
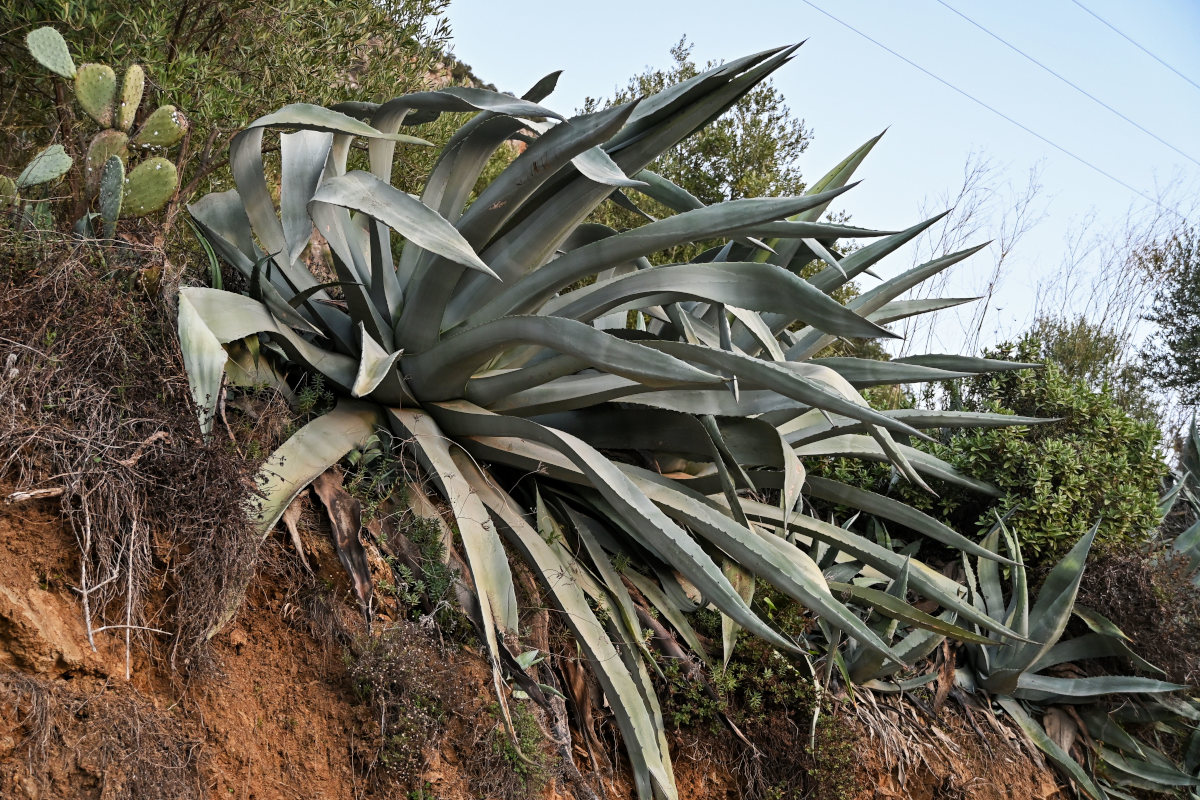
149	186
164	128
104	144
8	192
48	165
131	96
47	46
96	91
112	187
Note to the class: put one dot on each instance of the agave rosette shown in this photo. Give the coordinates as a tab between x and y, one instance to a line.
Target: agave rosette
658	443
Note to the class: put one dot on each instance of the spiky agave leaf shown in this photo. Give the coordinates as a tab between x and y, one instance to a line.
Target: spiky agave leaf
476	345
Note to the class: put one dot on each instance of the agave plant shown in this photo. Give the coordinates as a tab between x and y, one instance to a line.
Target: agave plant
564	395
1032	677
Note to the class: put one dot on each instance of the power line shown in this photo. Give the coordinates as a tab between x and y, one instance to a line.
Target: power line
1074	86
995	111
1120	33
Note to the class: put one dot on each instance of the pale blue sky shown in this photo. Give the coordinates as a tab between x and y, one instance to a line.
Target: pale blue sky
847	89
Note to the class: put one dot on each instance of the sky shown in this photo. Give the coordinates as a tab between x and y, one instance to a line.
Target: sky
847	89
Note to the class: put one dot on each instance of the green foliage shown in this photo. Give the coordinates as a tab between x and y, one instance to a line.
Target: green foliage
1172	356
149	184
1093	461
1086	351
521	755
225	61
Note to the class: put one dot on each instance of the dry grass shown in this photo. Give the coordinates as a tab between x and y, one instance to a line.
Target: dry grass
104	744
94	405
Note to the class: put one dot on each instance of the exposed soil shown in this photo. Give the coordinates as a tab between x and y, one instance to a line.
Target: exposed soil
278	719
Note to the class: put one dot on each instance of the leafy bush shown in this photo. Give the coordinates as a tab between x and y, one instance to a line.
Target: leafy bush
1090	461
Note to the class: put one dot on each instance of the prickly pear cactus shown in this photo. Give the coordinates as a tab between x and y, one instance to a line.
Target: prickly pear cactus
104	144
164	128
8	193
122	181
48	165
149	186
112	190
131	96
47	46
96	91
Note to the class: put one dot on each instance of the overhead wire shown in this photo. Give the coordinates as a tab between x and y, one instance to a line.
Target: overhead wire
1068	82
1097	169
1122	34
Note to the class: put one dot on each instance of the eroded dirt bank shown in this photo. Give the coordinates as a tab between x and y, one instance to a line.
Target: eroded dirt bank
280	713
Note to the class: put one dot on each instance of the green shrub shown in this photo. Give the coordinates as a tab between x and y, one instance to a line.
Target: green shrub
1093	462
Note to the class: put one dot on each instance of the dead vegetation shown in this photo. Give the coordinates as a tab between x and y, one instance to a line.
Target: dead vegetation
95	410
104	744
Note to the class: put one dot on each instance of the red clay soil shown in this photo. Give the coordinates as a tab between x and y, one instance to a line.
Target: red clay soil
276	719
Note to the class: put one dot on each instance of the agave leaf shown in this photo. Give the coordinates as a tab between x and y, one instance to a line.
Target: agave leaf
318	118
671	195
897	609
1102	727
232	316
313	449
775	560
1047	745
467	98
895	511
302	158
549	153
204	359
1091	645
970	364
814	385
863	447
922	579
1042	688
763	287
916	645
409	217
442	371
1048	617
485	553
812	427
639	726
536	287
864	372
809	342
903	309
671	612
1159	775
583	526
375	365
659	533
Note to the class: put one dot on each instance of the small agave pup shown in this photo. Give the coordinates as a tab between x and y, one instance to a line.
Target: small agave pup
540	418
